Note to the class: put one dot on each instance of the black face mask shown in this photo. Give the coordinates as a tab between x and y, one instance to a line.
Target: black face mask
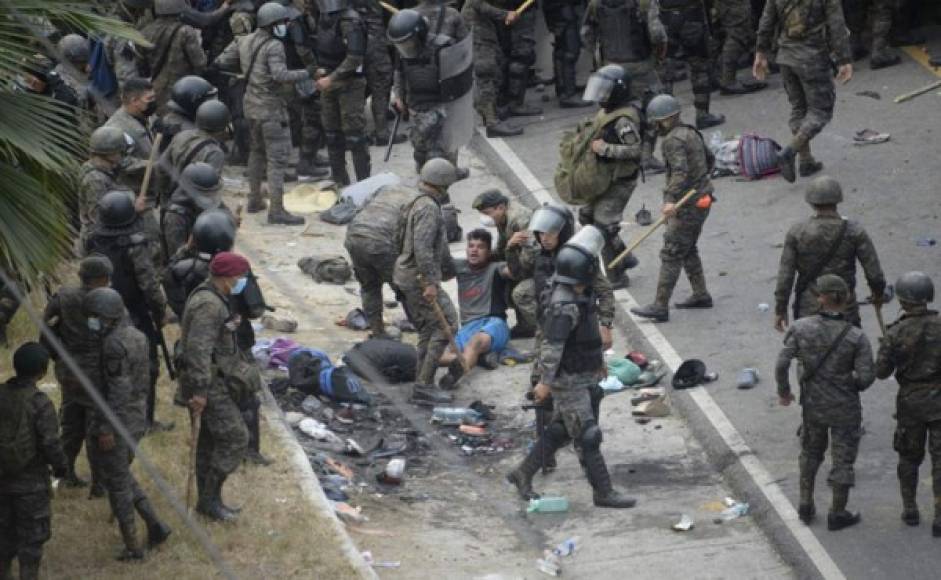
151	109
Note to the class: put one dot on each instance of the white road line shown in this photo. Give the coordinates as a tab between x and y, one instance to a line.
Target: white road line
755	469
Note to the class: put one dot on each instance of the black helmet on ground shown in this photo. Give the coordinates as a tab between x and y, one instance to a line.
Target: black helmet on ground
408	31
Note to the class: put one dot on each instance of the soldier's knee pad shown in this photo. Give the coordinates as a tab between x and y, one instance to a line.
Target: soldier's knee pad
556	434
909	446
591	437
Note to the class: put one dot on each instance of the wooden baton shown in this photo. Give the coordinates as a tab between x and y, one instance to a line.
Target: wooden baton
660	221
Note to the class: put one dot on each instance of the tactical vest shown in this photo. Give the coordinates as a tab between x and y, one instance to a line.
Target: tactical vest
330	48
421	77
804	18
123	278
185	276
583	352
543	269
622	32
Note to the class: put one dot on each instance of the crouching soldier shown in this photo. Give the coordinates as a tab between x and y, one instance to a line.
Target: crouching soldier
123	380
836	365
572	364
29	445
912	350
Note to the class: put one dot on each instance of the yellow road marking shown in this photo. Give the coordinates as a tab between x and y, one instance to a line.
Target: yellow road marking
920	55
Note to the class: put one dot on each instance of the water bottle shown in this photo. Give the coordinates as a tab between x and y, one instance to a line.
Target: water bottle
452	416
548	505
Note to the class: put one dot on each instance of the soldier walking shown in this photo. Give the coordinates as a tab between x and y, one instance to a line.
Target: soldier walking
805	39
563	19
835	365
739	29
29	437
99	175
215	373
688	163
570	361
177	49
121	379
912	350
259	57
827	243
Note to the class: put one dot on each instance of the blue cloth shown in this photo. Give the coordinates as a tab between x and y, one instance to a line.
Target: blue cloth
494	326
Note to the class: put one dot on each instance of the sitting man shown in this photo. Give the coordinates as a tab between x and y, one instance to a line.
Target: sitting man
482	297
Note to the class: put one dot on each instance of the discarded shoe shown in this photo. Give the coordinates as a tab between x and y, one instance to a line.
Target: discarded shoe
490	361
839	520
747	378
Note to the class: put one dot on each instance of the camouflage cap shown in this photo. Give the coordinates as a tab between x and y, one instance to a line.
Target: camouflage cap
488	199
94	267
832	284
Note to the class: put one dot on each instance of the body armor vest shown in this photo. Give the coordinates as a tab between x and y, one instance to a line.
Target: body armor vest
622	33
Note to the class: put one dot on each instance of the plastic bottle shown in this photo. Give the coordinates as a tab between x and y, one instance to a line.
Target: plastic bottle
455	416
548	505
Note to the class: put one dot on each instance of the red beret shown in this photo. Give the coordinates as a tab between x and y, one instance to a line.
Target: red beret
228	264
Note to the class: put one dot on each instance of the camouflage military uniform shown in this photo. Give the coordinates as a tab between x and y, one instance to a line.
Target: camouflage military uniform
179	47
912	350
485	21
425	260
687	28
739	29
135	279
856	12
264	107
209	350
370	241
25	513
241	23
305	112
136	130
806	37
684	154
65	318
123	380
519	48
377	66
830	398
94	182
806	245
192	146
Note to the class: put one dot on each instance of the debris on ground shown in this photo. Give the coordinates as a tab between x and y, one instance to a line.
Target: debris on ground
690	373
870	94
279	323
455	416
348	513
310	197
925	242
548	505
734	509
512	357
685	524
654	408
549	564
747	378
870	137
625	370
367	556
331	268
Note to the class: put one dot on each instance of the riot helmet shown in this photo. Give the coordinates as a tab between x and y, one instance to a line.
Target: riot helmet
915	288
609	86
169	7
214	231
553	219
332	6
104	303
577	261
408	31
190	92
74	48
271	13
662	107
824	190
202	184
116	209
107	140
213	116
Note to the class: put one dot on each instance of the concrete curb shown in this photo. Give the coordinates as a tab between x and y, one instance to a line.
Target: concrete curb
727	462
310	485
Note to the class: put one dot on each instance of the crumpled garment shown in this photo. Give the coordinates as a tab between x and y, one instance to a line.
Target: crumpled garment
274	353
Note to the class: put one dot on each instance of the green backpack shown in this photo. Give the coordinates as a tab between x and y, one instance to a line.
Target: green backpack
17	439
582	176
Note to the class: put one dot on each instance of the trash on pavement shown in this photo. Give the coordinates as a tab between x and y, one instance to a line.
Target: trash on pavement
870	137
655	408
764	307
340	468
648	394
356	320
311	404
625	370
548	505
309	198
651	375
510	357
394	471
643	217
747	378
638	358
348	513
735	509
367	556
685	524
279	323
473	430
611	385
690	374
870	94
393	360
332	268
317	430
293	418
549	564
455	416
925	242
485	410
567	547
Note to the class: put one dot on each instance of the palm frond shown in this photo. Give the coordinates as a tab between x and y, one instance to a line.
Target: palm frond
40	127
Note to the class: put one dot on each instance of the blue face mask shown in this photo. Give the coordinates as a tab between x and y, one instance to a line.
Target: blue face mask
94	324
239	285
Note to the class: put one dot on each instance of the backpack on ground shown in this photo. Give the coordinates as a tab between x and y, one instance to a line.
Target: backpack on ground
17	438
757	156
395	361
581	176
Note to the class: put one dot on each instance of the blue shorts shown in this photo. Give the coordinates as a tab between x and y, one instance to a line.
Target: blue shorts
494	326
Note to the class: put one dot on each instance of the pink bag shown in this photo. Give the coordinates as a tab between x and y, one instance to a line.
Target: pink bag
757	156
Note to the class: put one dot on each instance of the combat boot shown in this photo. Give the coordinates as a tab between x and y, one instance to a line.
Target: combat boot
210	502
455	371
503	129
157	531
429	396
278	215
132	550
806	510
220	482
96	490
522	476
362	164
908	486
786	159
839	517
254	455
883	58
705	119
654	312
72	480
604	493
700	297
741	88
307	167
255	204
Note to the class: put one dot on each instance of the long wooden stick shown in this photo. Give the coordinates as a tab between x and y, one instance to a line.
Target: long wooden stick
195	427
388	7
908	96
524	6
443	321
878	308
155	149
650	230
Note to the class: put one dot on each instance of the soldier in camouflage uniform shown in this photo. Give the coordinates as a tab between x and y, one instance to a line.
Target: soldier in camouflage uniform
486	21
739	28
177	49
424	262
827	243
265	107
73	69
518	39
340	50
121	237
632	38
370	242
512	223
856	12
377	66
121	380
571	362
835	366
63	316
200	189
563	19
186	95
25	513
211	365
98	176
688	162
807	33
242	23
201	144
911	349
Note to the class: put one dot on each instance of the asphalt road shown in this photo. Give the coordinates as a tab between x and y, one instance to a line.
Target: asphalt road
890	188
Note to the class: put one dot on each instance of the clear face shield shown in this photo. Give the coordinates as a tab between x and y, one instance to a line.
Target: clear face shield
589	239
409	48
598	89
547	219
